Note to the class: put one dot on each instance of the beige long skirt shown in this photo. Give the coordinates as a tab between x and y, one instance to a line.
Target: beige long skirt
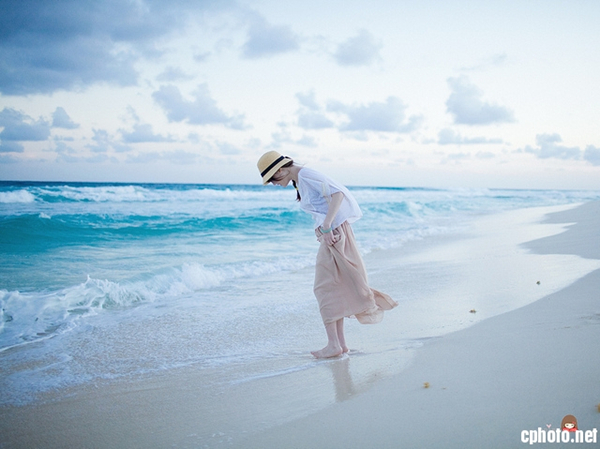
341	285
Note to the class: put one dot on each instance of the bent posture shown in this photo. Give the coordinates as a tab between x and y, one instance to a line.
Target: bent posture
341	285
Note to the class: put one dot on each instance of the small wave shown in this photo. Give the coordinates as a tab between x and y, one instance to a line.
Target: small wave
153	194
17	196
31	316
107	193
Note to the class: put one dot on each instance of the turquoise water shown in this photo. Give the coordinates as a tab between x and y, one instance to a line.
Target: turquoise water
88	259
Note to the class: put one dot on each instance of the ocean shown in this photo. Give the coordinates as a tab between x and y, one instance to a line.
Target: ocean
112	281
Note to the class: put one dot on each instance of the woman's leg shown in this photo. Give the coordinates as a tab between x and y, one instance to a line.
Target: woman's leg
341	337
334	345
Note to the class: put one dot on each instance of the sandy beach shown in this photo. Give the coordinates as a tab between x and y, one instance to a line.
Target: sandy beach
528	355
522	370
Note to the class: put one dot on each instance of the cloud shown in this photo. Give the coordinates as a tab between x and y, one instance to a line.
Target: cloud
202	110
19	127
172	74
8	158
387	116
592	155
308	100
202	57
310	114
285	137
266	40
228	149
362	49
307	141
448	137
485	155
50	45
104	142
458	156
67	154
314	120
178	157
548	147
60	119
102	139
143	133
492	61
467	107
11	147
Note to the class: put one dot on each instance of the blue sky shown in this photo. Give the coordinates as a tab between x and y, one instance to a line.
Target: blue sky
406	93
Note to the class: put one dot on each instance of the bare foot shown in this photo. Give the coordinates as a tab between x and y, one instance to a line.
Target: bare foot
328	352
345	349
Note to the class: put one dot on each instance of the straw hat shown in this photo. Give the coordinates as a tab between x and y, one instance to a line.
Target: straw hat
269	163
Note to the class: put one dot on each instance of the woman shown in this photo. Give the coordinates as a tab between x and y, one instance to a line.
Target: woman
341	285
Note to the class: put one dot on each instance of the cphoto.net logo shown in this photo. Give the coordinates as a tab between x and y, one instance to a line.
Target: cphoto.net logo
566	433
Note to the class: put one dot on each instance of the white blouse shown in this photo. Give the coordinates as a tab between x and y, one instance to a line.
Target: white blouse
315	195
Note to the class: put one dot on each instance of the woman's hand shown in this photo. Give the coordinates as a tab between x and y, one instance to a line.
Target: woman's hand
335	203
329	238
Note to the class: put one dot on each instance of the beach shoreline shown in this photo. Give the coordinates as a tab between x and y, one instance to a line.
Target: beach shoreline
484	385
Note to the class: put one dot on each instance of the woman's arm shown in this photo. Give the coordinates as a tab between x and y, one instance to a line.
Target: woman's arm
334	207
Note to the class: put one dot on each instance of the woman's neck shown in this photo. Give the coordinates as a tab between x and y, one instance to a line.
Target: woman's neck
294	170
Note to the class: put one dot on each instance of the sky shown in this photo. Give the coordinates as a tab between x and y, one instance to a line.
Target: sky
415	93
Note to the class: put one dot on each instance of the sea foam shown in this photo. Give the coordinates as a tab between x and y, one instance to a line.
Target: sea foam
17	196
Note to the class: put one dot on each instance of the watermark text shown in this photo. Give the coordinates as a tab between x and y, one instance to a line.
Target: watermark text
559	436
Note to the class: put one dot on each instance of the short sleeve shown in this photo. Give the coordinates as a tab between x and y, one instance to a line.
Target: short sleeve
316	190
